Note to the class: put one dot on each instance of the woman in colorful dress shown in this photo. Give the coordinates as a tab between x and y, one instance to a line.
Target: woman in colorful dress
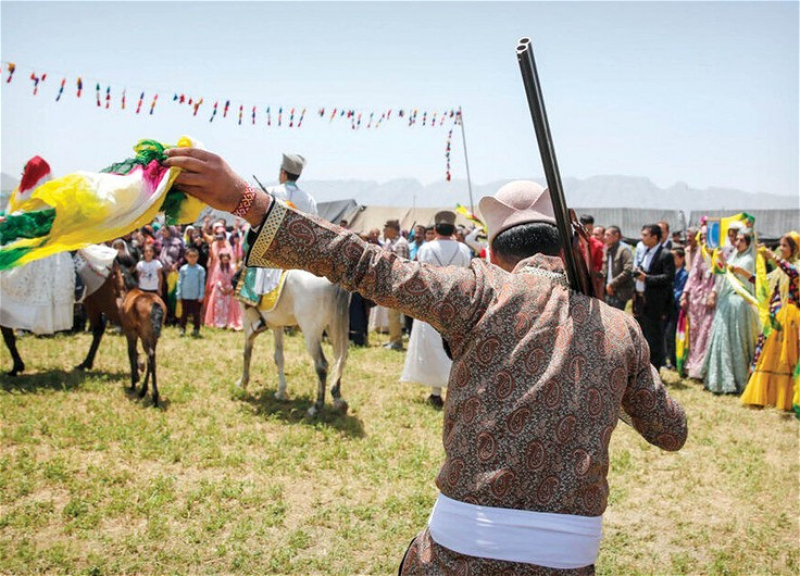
222	310
171	257
772	380
736	325
697	303
217	242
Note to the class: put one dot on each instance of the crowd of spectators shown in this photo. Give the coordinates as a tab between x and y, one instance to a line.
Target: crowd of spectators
666	280
192	268
662	278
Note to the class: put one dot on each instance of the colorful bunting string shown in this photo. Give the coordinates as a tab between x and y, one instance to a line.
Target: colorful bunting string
36	79
372	119
447	154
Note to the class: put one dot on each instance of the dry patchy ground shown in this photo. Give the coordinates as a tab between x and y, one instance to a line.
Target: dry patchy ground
92	480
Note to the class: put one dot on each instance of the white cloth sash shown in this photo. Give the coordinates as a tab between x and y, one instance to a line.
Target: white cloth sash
561	541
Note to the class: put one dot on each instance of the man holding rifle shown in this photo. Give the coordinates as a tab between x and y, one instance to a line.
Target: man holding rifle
539	373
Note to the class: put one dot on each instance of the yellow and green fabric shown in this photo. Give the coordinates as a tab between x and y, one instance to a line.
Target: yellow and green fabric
83	208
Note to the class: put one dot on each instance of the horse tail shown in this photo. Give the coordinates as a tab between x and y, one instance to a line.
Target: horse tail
339	332
156	319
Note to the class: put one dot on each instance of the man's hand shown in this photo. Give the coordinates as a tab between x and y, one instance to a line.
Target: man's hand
610	290
207	177
642	276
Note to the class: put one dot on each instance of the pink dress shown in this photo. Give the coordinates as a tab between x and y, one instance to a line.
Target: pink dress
222	309
698	287
214	248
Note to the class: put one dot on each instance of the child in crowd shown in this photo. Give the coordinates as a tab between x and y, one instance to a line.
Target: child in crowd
222	309
149	271
191	290
681	275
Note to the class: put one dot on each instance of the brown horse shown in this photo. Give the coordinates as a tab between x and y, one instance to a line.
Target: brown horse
141	316
119	300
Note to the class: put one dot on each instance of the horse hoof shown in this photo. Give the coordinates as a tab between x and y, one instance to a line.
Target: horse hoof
82	367
341	405
281	396
241	383
155	401
15	370
312	412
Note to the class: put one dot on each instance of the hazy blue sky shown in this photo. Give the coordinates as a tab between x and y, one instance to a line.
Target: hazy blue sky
705	93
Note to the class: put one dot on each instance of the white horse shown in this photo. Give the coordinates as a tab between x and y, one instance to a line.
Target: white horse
315	305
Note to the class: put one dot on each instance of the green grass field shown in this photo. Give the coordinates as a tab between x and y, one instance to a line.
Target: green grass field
219	481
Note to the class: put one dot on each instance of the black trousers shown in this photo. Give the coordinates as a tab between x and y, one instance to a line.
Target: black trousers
359	320
190	308
653	327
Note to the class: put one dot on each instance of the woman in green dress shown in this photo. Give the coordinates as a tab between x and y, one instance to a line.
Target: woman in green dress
736	325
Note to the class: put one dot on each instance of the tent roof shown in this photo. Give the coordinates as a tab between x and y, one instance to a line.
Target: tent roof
370	217
769	223
339	210
375	216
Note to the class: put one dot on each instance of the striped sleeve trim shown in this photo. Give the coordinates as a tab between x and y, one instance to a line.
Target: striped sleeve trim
269	228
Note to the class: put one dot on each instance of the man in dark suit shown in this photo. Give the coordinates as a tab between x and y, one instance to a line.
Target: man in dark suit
654	280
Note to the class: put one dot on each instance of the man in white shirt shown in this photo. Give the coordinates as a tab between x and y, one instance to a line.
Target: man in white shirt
426	362
260	281
288	191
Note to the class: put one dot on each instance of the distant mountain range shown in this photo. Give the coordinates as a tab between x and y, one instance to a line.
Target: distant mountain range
593	192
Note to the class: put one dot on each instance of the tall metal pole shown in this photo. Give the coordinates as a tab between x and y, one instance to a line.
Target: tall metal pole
466	159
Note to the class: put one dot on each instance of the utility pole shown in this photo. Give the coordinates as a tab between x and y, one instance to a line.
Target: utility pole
466	160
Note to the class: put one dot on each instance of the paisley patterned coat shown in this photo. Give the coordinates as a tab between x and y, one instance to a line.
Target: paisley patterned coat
538	378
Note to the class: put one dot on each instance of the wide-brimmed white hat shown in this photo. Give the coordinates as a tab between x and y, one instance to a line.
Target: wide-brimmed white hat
518	202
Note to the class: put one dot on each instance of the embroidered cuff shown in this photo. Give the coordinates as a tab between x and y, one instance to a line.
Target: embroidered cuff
273	219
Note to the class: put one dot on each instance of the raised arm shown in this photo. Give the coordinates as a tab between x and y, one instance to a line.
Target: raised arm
451	301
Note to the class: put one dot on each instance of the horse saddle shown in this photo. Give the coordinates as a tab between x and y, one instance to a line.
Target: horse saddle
92	267
261	287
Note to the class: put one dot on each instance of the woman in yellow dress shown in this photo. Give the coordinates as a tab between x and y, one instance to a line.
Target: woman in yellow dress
772	380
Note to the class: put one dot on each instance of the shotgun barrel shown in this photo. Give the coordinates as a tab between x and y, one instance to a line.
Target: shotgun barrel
569	230
577	272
